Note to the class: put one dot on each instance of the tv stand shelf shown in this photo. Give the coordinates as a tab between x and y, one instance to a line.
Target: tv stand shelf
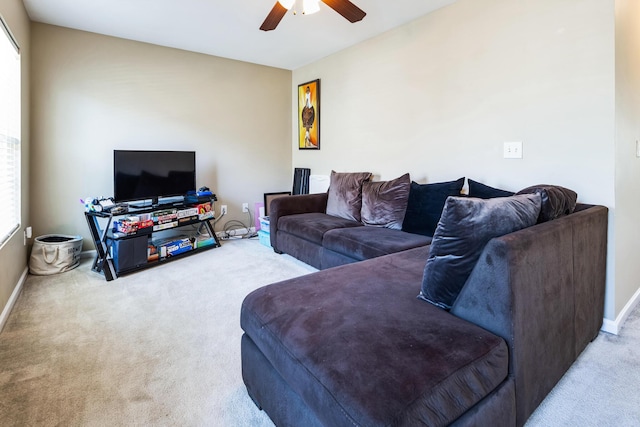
114	263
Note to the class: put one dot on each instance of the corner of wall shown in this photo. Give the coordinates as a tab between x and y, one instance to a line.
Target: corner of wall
614	326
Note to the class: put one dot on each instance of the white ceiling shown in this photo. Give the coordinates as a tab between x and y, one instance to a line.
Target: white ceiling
230	28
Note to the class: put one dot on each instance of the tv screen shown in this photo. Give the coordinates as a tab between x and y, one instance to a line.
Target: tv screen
142	175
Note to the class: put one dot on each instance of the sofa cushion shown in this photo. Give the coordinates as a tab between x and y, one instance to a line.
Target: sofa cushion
345	194
370	242
313	226
359	349
466	225
384	203
482	191
557	201
425	205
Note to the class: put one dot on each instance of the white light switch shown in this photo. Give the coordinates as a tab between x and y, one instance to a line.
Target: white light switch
513	150
637	148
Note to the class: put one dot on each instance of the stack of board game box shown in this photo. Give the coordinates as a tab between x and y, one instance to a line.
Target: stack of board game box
131	225
165	219
172	246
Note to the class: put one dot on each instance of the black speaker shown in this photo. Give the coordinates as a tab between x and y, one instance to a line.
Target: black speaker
301	181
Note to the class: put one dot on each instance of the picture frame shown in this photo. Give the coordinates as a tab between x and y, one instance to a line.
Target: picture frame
309	115
268	197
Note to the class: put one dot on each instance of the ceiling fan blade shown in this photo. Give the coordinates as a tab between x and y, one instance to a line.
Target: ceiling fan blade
274	17
350	11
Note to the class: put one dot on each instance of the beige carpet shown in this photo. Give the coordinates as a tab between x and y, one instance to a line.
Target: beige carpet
159	347
602	388
162	347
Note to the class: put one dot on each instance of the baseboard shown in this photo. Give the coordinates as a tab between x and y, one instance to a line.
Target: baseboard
88	254
12	299
613	326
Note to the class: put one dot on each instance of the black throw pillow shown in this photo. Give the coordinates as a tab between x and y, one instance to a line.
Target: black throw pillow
482	191
466	226
425	205
556	201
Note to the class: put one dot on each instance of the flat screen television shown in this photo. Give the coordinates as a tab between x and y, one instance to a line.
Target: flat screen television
142	175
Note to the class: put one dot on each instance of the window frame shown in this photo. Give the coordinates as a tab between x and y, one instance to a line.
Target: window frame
8	230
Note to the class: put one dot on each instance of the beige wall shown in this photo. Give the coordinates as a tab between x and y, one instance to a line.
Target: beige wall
93	94
627	33
13	255
439	96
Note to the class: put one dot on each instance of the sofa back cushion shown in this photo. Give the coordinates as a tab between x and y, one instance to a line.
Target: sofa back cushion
384	203
425	205
345	194
466	225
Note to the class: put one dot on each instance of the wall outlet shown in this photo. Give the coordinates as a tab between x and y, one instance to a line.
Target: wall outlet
223	210
245	207
26	235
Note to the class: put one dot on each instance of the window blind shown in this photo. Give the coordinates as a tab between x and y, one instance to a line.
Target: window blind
9	133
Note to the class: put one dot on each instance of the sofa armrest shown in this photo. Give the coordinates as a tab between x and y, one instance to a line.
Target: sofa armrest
293	205
542	290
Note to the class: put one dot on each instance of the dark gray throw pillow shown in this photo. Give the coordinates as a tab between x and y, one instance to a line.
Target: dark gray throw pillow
466	225
425	205
483	191
384	203
557	201
345	194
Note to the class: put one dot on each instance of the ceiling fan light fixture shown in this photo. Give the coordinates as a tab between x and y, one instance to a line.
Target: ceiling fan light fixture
310	6
348	10
287	4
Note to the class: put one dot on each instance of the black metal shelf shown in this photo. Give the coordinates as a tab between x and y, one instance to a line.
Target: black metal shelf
165	260
101	233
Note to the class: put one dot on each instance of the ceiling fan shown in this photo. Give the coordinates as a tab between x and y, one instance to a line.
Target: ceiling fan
348	10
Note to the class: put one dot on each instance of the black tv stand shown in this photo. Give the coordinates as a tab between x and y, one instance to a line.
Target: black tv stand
114	250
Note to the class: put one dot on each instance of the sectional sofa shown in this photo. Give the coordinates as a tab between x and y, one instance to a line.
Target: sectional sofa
405	339
398	214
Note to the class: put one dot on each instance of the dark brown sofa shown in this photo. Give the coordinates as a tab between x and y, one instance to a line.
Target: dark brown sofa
353	346
300	227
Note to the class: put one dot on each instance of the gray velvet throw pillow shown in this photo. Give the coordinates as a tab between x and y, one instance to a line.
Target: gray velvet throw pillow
465	227
384	203
345	194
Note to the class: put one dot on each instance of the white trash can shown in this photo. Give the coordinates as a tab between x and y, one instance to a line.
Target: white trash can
55	253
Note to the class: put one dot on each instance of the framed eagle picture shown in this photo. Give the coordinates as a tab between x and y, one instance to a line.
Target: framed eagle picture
309	115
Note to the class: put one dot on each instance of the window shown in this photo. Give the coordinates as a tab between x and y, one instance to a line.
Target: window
9	133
